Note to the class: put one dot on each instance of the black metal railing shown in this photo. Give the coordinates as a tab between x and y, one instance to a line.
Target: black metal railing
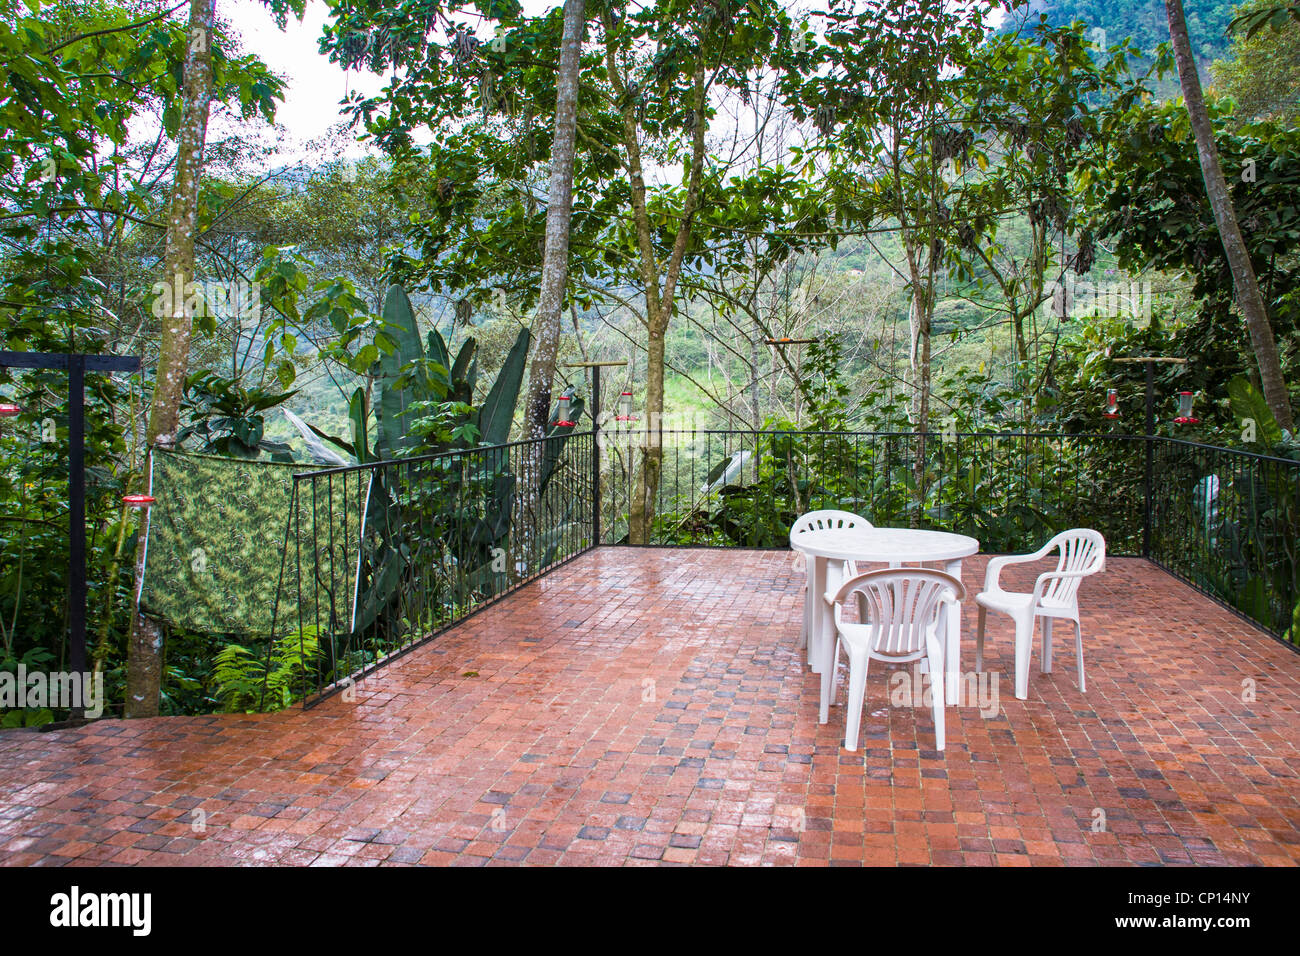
381	557
733	488
1224	520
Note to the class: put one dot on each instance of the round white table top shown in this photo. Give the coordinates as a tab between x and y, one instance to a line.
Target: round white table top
884	544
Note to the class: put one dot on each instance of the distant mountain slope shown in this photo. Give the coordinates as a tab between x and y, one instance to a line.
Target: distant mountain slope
1144	21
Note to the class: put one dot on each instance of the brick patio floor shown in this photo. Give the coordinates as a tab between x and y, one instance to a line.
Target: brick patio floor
651	706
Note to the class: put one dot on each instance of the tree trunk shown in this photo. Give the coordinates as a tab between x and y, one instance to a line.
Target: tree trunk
660	303
1249	298
646	490
919	328
144	654
555	270
555	259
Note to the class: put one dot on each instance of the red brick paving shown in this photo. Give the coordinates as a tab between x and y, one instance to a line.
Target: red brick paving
648	707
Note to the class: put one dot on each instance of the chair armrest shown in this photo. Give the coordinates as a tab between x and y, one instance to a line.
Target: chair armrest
995	565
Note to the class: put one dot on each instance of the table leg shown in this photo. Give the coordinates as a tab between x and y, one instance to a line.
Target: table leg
832	578
805	629
816	588
952	653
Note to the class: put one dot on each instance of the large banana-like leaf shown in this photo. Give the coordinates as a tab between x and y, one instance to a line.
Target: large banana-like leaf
1248	404
553	539
498	409
318	448
385	578
360	429
726	471
495	524
463	372
382	543
400	325
438	352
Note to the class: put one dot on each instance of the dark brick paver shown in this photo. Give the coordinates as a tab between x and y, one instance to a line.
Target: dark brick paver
651	707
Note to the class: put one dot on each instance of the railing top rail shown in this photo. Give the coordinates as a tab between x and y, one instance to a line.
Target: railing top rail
1231	451
756	432
420	459
874	434
1105	436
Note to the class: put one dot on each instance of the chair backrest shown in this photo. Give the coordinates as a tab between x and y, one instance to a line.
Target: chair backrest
899	604
829	518
1083	551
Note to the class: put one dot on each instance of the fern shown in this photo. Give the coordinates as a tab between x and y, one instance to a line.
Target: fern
238	675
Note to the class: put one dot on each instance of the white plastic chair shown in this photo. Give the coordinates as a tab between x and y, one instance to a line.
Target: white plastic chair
898	611
820	521
1055	595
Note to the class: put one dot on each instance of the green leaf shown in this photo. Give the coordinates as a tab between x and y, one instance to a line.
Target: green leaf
360	436
498	409
399	322
460	368
1248	405
285	373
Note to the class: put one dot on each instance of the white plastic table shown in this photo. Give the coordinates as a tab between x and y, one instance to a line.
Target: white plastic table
830	548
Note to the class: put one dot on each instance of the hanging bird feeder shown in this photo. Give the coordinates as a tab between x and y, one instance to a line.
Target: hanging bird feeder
1112	403
1185	416
625	408
9	410
138	501
564	420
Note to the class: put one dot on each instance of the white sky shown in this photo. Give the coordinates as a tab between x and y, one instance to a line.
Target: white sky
315	86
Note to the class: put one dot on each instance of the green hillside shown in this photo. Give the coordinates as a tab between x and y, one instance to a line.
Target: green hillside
1144	21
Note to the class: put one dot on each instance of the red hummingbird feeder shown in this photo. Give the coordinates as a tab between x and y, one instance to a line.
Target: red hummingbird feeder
1112	403
138	501
9	410
1185	416
564	420
625	407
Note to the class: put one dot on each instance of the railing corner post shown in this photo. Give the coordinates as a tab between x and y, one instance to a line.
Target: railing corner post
595	456
1147	484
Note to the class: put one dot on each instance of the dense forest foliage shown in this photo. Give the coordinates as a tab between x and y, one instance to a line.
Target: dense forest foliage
1142	20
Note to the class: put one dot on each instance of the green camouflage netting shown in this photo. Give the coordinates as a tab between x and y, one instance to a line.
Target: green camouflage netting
217	545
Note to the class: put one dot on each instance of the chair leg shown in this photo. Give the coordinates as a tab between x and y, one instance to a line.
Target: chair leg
857	691
979	639
937	697
1024	644
807	619
1047	645
1078	653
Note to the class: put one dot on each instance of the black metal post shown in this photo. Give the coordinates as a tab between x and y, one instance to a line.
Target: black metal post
1150	451
595	442
76	364
595	455
77	514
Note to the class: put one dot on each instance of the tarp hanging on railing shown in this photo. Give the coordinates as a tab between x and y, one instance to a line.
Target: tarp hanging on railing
216	551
